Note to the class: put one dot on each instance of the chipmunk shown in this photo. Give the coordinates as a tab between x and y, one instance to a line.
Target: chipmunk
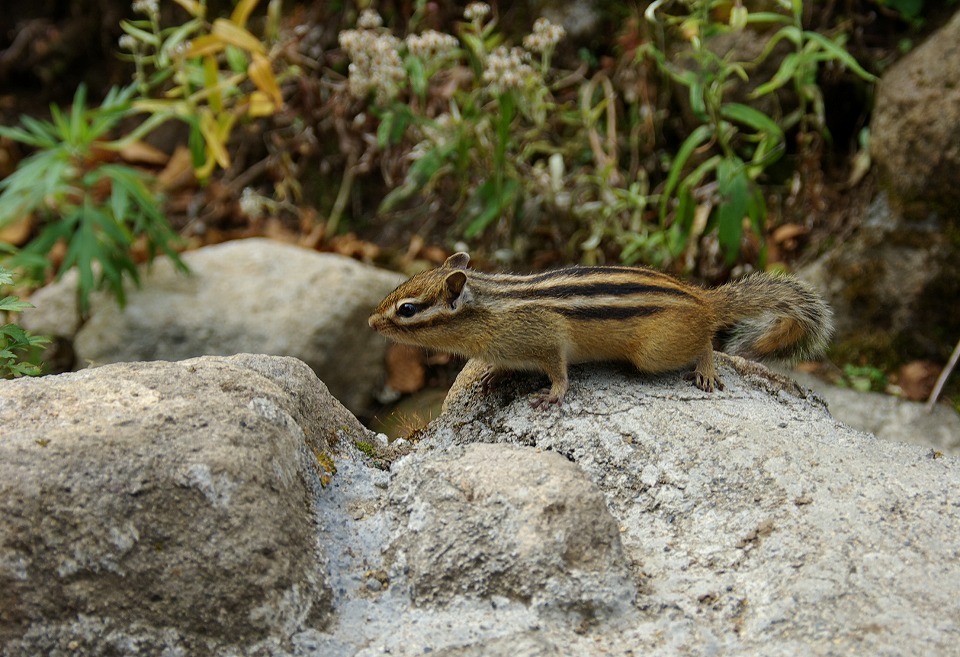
548	320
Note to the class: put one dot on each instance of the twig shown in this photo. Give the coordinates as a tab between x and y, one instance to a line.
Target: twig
343	195
942	379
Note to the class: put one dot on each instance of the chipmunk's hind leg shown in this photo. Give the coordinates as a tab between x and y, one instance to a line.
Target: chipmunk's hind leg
704	374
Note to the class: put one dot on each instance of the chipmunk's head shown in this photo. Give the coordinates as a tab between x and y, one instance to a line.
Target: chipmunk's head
422	310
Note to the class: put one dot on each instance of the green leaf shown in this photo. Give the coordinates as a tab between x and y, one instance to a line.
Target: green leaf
698	103
490	202
752	118
119	201
139	34
838	53
77	110
734	188
237	59
694	140
417	74
30	138
420	174
766	17
42	130
13	304
788	68
385	129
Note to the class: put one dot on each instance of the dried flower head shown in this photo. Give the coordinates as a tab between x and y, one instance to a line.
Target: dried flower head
127	42
545	36
506	69
476	11
376	63
369	20
179	50
431	44
252	204
149	7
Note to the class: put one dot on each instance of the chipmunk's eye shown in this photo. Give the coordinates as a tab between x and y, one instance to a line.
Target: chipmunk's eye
407	309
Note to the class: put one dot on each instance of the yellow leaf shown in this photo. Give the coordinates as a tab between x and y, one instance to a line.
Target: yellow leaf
216	145
210	81
204	172
242	12
261	73
260	105
205	45
193	7
235	35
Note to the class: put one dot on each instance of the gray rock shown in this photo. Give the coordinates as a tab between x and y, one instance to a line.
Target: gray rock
643	516
762	525
891	285
913	134
245	296
164	506
508	521
890	418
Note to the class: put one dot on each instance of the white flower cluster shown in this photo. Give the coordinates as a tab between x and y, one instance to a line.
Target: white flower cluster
252	204
369	20
127	42
148	7
179	50
430	44
375	58
476	11
506	69
545	36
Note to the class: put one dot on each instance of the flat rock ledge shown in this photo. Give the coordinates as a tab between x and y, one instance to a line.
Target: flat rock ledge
230	506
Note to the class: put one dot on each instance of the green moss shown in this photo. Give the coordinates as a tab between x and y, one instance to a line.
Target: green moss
367	448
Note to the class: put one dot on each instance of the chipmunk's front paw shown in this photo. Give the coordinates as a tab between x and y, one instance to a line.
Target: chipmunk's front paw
544	400
706	382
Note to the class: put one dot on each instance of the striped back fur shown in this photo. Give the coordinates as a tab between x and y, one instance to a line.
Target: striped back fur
587	293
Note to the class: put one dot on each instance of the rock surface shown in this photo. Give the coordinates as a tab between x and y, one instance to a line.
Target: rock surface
913	135
246	296
530	527
643	516
892	286
890	418
163	505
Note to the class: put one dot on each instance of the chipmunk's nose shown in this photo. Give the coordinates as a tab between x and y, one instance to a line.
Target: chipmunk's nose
372	322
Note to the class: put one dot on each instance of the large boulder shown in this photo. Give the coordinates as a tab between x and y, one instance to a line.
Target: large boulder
246	296
760	525
221	506
914	138
165	506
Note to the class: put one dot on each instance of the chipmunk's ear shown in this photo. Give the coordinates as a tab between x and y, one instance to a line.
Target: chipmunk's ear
455	288
458	260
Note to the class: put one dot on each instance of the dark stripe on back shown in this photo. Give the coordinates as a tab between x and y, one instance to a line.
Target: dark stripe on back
574	272
608	312
563	291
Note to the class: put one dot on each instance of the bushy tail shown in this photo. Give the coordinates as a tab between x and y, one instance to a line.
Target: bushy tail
773	316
